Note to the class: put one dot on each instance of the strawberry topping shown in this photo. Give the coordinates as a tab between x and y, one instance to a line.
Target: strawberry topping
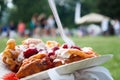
10	76
29	52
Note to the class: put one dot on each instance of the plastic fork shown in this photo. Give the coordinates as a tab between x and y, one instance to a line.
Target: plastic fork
67	40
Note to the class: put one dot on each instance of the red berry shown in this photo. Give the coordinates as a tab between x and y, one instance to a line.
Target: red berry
55	48
30	52
51	54
76	47
65	46
10	76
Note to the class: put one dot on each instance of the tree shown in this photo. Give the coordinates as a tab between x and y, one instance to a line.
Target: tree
26	8
66	9
2	7
110	8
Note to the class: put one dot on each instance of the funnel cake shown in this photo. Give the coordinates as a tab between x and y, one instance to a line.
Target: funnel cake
10	55
34	65
34	56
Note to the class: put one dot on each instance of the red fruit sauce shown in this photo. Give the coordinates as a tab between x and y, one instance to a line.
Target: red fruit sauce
30	52
65	46
10	76
76	47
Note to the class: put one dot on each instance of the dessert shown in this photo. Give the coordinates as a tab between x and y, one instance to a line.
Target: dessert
34	56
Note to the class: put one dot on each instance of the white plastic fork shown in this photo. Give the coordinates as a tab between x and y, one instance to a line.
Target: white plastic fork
67	40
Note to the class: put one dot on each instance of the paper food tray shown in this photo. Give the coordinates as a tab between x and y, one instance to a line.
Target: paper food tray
71	67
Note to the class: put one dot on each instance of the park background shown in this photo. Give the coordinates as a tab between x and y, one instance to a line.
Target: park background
16	10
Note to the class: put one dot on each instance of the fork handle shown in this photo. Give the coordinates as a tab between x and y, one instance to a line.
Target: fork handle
54	10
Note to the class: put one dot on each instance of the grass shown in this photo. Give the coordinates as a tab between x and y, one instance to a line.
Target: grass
102	45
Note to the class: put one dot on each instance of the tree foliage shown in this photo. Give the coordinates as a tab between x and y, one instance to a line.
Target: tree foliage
2	7
66	8
26	8
110	8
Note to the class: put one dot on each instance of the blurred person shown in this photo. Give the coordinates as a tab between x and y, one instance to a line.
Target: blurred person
4	31
104	27
33	23
116	26
43	24
21	28
80	32
94	30
26	33
67	31
0	29
36	32
12	30
51	25
111	31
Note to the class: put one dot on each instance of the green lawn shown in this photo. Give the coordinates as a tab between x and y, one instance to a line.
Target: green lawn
102	45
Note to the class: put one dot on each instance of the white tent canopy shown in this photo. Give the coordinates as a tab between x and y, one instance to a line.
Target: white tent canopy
92	17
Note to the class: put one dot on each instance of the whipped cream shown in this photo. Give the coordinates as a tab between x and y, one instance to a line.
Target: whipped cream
87	49
40	46
56	60
63	53
20	50
20	57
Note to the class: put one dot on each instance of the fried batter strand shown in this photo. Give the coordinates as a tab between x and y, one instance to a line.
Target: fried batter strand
9	56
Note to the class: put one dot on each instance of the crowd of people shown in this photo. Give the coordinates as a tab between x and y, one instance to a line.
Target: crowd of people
39	26
42	26
111	27
106	28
